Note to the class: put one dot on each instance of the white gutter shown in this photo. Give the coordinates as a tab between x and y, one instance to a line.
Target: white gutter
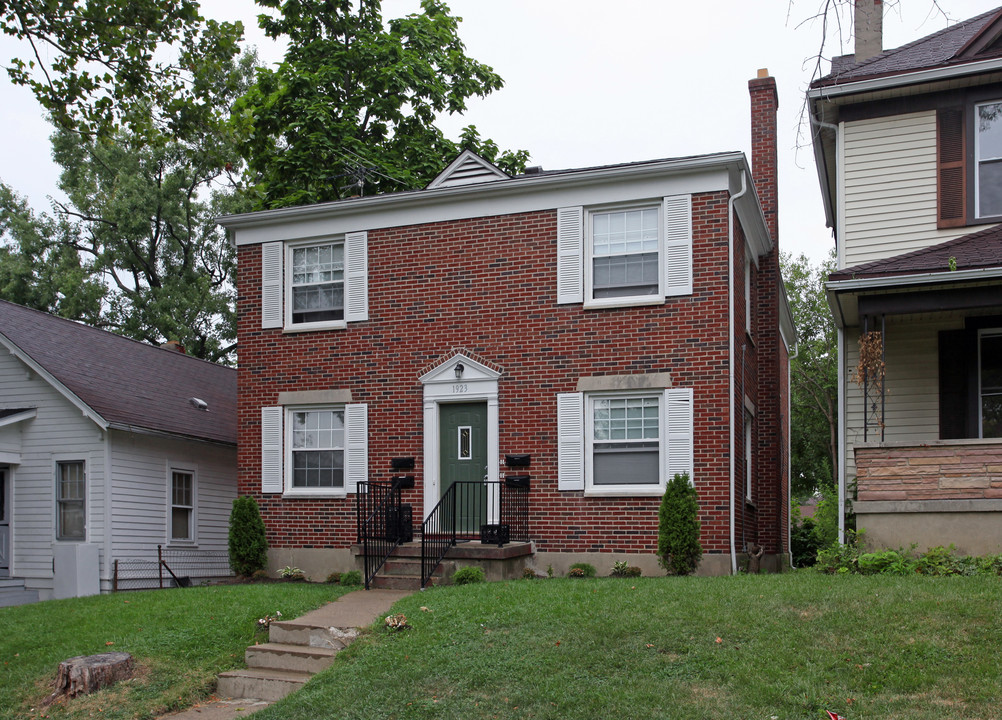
528	183
992	273
730	351
902	79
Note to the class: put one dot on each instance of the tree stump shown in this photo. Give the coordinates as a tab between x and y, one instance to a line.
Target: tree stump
85	674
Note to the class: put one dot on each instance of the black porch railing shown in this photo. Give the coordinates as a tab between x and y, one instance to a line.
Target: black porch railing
466	512
383	522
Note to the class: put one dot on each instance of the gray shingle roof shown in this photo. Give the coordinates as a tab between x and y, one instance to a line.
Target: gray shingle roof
126	382
979	250
937	50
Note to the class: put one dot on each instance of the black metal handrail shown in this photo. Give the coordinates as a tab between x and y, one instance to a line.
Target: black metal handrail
464	513
379	516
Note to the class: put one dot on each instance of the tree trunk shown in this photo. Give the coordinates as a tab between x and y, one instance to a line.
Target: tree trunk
83	675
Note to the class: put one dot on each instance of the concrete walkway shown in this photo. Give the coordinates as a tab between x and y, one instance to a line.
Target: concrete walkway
356	609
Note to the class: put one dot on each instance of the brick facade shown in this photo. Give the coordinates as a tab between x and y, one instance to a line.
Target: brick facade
486	286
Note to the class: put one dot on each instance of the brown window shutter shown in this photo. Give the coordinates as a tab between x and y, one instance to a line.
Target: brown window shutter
951	175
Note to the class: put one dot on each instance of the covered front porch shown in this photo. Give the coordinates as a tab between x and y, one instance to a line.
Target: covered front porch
921	395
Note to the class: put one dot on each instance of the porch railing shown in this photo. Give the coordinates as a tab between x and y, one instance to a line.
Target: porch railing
493	512
383	523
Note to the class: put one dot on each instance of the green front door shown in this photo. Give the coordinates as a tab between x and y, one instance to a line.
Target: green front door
462	437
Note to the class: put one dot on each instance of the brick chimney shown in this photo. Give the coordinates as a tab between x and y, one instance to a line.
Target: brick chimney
173	346
764	105
868	24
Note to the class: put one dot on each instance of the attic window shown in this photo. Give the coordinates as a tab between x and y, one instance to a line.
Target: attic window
199	404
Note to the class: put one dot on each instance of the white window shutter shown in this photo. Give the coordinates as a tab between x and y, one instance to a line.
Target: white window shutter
356	455
680	432
570	251
678	245
570	441
356	284
271	284
272	480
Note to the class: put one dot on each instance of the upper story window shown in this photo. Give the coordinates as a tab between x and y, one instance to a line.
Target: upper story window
315	285
621	256
625	247
988	151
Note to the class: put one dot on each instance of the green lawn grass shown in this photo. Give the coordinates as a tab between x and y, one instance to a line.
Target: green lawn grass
765	647
181	639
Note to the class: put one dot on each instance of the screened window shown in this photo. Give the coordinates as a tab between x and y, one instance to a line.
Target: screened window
989	159
990	375
625	253
71	488
317	447
626	440
182	510
317	283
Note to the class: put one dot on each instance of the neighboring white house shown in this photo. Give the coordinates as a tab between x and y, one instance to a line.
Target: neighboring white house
109	448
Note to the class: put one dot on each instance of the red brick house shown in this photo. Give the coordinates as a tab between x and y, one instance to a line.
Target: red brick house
601	329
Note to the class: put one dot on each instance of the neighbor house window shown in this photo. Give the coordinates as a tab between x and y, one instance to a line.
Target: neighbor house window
182	505
749	455
316	444
71	486
988	149
625	441
316	286
990	381
625	253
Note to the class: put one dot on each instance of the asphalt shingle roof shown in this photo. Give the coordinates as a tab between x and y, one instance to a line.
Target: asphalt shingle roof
936	50
126	382
979	250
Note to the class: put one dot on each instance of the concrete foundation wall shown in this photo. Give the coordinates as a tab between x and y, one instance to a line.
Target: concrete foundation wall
972	532
316	564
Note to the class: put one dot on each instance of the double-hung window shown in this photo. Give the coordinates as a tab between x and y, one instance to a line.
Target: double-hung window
623	255
182	506
990	383
625	441
988	151
624	251
316	283
71	487
316	447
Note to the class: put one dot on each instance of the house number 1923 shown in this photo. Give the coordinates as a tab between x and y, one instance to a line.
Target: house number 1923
460	388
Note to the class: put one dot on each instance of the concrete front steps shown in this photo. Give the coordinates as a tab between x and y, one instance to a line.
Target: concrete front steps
13	592
402	570
300	648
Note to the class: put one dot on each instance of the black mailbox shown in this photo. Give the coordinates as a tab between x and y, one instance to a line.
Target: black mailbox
403	463
516	481
520	460
404	482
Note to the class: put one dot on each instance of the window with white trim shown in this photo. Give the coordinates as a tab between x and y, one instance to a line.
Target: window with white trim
623	253
623	443
990	382
316	450
316	283
749	455
182	506
988	160
71	493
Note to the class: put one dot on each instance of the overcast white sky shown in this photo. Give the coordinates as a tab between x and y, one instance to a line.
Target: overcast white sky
591	82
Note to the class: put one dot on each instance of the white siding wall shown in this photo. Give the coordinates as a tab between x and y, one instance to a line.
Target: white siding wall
890	188
59	431
912	384
140	466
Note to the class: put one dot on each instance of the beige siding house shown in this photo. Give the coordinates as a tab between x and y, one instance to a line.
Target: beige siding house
908	144
109	449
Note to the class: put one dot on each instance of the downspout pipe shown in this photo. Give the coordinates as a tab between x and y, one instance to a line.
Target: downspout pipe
730	352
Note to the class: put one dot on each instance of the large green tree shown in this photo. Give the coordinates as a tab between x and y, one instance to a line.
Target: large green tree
95	66
351	109
813	377
137	247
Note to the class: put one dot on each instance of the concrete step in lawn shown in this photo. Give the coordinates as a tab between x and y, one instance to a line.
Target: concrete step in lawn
297	649
13	592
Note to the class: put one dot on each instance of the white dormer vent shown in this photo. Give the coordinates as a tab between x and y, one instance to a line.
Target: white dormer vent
199	404
468	169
